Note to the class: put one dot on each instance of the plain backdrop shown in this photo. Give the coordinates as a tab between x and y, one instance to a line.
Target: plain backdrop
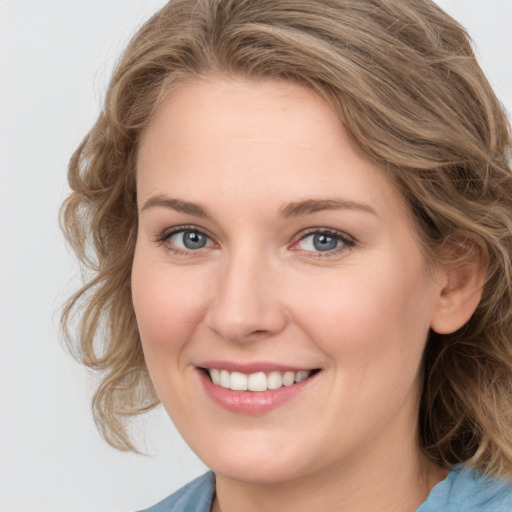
55	60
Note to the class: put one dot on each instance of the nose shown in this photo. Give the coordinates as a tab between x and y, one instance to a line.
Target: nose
246	302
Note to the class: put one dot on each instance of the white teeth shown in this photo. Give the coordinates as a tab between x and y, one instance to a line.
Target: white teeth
288	378
215	375
224	378
274	380
238	381
259	381
300	376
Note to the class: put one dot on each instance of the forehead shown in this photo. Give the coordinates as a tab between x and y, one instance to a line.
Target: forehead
240	108
247	138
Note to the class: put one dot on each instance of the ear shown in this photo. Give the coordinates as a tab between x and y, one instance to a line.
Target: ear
460	293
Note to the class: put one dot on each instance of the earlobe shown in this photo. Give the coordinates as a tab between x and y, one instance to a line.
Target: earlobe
459	296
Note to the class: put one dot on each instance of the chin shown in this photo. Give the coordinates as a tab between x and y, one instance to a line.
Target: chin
257	461
262	472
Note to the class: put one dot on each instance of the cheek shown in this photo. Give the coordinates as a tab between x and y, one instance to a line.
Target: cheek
373	330
168	305
371	317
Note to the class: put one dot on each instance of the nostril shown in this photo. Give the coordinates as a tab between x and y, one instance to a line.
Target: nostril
241	319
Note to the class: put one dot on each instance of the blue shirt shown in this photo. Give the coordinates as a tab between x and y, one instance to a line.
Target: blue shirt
463	490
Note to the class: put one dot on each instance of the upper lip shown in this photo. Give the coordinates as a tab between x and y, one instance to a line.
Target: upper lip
255	367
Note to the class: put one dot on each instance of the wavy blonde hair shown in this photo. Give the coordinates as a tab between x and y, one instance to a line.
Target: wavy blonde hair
404	81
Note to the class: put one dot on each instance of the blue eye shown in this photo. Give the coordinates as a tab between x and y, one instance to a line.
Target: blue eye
188	239
323	241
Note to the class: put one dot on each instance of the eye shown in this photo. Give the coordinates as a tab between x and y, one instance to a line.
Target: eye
186	239
324	241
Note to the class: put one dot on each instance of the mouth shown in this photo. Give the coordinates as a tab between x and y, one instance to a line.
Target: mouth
258	381
254	388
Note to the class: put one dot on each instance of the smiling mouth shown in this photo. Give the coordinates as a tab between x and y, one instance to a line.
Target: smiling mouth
258	381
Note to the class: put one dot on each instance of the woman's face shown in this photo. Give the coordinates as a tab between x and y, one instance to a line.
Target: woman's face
269	251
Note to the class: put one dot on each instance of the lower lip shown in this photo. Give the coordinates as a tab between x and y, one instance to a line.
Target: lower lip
252	402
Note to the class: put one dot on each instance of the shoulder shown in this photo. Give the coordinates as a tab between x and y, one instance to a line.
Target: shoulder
196	495
471	491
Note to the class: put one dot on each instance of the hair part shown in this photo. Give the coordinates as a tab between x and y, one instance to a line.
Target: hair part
404	81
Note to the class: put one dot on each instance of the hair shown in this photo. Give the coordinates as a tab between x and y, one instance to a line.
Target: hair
403	79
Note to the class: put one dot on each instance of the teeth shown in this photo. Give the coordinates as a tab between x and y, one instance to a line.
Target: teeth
215	375
259	381
274	380
300	376
225	377
238	381
288	378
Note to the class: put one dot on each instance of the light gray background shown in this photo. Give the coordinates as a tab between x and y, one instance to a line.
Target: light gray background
55	59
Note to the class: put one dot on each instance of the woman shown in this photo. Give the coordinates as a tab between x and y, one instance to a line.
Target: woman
300	217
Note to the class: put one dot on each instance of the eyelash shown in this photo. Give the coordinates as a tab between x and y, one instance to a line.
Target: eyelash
347	242
164	237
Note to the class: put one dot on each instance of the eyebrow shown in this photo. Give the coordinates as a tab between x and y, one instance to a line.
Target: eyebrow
315	205
177	205
294	209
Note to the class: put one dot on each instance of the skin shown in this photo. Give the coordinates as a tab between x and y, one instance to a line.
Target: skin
260	291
